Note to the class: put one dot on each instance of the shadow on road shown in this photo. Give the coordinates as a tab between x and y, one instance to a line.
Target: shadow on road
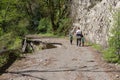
12	58
27	72
64	70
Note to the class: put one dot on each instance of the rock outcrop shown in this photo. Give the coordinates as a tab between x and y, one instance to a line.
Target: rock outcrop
94	17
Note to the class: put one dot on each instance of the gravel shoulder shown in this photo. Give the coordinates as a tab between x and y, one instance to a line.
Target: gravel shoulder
67	62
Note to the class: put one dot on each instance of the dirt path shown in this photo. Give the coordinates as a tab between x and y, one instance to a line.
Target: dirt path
67	62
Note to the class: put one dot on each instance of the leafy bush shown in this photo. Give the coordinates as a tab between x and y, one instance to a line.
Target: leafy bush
44	26
109	55
64	26
97	47
16	43
3	59
114	40
10	41
112	54
5	39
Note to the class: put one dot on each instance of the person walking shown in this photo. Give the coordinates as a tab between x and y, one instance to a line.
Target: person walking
82	39
71	37
78	37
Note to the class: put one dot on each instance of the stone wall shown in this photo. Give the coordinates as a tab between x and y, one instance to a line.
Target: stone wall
94	17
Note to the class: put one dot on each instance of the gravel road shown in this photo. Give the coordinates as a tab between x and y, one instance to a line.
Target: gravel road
67	62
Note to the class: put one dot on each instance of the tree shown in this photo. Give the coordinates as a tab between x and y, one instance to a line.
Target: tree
58	10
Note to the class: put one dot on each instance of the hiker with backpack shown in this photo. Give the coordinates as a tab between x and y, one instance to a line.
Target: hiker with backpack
78	36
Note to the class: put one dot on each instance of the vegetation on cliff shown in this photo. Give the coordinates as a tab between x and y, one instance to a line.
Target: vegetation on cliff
113	51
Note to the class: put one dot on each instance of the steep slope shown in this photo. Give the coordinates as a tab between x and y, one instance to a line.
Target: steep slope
94	17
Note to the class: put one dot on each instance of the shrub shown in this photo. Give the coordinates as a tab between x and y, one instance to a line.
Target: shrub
113	52
114	39
44	26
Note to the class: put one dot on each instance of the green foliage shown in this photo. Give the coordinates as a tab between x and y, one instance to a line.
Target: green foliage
10	41
5	40
16	43
1	32
20	29
113	52
44	26
48	35
6	57
3	59
109	55
97	47
13	14
114	40
21	17
58	12
9	14
64	26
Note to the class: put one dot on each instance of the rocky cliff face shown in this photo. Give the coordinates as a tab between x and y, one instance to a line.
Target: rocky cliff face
94	17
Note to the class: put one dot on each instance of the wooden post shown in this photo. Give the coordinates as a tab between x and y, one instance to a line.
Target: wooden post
24	44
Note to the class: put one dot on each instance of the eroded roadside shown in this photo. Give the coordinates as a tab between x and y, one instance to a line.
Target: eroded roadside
67	62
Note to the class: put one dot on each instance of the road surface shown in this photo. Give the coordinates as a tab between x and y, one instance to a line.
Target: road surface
66	62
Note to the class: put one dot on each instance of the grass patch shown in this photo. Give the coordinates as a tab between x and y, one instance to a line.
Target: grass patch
97	47
108	54
51	35
47	35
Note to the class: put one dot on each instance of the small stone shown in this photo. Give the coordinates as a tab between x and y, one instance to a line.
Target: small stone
83	67
116	64
117	76
41	60
91	61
